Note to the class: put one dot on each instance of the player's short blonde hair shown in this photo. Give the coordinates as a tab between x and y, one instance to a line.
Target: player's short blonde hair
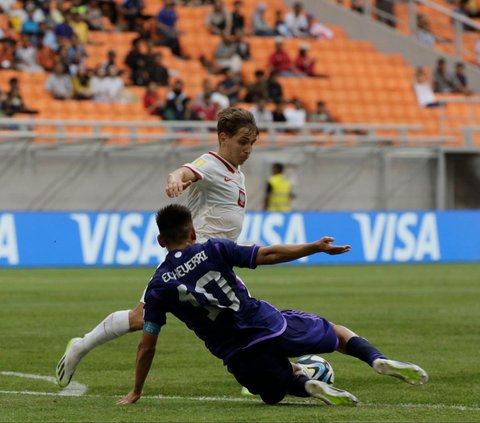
231	119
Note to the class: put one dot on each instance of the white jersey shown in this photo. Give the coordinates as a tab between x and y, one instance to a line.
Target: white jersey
217	199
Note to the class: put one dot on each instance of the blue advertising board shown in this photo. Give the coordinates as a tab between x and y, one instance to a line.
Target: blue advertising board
30	239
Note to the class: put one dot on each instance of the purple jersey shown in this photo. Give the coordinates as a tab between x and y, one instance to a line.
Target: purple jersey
198	286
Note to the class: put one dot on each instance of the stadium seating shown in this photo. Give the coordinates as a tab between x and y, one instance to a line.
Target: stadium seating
361	84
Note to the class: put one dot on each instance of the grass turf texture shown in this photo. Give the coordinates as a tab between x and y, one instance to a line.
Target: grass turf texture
427	314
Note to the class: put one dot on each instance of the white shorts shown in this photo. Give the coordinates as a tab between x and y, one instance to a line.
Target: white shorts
142	298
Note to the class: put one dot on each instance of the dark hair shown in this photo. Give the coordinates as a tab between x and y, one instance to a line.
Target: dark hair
231	119
174	222
277	167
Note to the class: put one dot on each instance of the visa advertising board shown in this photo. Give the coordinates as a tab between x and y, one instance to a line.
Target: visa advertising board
48	239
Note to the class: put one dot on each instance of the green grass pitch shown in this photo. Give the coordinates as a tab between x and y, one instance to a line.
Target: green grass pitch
427	314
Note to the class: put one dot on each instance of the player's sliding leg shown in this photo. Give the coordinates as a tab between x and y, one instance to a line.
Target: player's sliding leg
112	327
354	345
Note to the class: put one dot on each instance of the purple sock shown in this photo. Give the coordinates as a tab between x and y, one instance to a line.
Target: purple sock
297	386
362	349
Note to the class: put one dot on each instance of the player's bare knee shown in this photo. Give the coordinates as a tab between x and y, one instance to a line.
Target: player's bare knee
135	318
344	335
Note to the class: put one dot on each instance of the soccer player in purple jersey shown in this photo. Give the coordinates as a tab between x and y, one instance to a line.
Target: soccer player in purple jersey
197	284
217	198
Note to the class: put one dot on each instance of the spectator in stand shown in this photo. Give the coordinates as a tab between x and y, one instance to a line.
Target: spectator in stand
280	61
59	83
75	64
261	113
274	88
259	25
231	85
237	18
277	113
219	20
26	56
131	12
152	101
81	85
29	26
76	50
114	85
48	36
176	99
424	34
207	109
258	89
64	30
98	86
13	101
386	12
167	27
45	56
317	30
157	72
136	61
220	97
111	59
7	53
304	64
242	46
207	88
226	56
423	89
80	27
459	80
94	16
322	115
296	116
296	21
281	27
442	81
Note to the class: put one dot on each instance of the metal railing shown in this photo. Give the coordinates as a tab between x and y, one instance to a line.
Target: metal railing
200	134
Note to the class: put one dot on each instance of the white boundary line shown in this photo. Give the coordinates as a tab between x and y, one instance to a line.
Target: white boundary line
76	389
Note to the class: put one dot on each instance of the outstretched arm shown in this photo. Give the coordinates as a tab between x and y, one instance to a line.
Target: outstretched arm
284	253
145	354
179	180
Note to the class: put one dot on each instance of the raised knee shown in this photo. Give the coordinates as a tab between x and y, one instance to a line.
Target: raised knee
135	319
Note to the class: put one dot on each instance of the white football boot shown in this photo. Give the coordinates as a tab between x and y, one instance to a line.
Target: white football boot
329	394
408	372
67	364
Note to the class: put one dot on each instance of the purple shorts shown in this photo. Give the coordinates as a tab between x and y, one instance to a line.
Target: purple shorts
307	334
265	369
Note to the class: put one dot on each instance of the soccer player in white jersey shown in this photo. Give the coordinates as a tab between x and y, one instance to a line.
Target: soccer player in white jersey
217	199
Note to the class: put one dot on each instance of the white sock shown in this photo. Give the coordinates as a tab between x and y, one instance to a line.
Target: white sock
112	327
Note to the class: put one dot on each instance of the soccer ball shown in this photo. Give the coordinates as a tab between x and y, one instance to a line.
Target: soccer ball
317	368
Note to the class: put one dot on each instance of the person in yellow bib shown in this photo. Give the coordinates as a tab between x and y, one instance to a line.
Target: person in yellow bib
279	191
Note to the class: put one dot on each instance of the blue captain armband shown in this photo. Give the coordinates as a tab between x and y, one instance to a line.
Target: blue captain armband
152	328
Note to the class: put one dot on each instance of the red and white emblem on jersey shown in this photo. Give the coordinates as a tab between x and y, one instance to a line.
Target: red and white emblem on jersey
241	198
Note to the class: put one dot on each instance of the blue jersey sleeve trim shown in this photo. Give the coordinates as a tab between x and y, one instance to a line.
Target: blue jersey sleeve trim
152	328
